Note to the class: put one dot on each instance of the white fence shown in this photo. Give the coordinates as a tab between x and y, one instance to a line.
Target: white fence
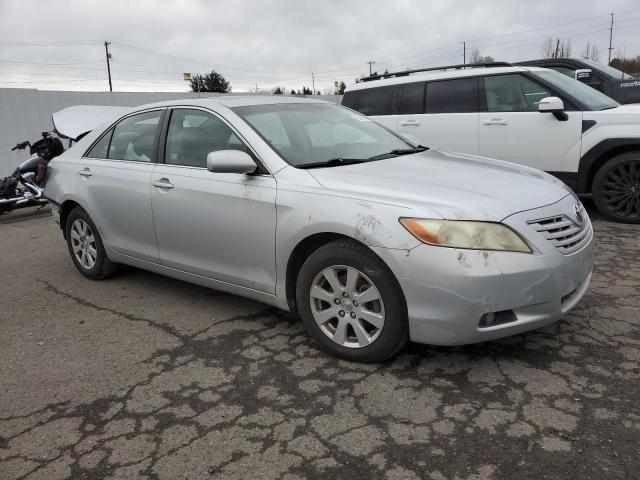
25	113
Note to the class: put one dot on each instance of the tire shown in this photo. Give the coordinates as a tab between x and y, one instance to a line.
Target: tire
86	247
343	328
616	188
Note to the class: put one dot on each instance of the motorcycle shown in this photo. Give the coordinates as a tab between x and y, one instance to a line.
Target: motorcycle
25	186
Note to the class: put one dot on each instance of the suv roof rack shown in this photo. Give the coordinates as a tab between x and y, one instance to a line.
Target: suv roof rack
461	66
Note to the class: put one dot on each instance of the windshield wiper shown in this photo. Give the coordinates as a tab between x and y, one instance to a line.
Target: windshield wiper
333	162
399	151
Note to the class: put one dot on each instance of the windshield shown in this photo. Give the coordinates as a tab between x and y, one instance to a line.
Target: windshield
608	70
589	97
316	133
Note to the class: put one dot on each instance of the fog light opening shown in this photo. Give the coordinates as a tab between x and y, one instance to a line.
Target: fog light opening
492	319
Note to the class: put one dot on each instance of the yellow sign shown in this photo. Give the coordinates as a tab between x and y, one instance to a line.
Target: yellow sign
186	76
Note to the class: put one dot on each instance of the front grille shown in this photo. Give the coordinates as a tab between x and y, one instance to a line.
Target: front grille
565	234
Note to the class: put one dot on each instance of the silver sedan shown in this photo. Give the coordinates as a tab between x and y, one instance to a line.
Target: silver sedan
311	207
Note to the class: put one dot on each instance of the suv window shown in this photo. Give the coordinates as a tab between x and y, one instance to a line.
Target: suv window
373	101
134	136
193	134
412	101
513	93
459	95
569	72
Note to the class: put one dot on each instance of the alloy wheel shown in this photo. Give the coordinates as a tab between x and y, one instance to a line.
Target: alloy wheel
621	189
83	243
347	306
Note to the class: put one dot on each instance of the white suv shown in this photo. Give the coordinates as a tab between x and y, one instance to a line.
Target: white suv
527	115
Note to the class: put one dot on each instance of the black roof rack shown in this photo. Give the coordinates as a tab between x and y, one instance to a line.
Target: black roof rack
461	66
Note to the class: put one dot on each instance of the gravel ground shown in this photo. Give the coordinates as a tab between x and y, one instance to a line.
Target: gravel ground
142	376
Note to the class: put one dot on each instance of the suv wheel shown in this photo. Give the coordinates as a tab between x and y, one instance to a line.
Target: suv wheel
351	303
85	246
616	188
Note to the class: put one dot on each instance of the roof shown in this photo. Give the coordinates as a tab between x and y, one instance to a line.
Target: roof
233	101
438	75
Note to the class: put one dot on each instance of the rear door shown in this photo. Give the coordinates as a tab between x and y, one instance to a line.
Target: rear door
113	181
442	114
379	103
512	129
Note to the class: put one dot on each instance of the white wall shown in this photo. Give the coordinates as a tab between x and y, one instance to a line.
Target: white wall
25	113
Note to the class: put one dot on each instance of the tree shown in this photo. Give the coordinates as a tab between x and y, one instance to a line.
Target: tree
340	86
476	58
591	52
306	91
277	91
210	82
630	66
556	48
293	92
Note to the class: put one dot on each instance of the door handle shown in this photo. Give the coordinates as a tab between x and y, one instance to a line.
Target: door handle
85	172
496	121
410	123
163	183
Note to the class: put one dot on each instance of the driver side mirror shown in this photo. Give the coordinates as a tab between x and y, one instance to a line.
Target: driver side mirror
230	161
553	105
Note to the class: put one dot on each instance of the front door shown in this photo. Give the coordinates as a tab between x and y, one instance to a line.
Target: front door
512	129
217	225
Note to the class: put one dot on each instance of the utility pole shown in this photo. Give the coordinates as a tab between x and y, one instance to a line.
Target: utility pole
313	84
610	38
370	67
106	51
464	53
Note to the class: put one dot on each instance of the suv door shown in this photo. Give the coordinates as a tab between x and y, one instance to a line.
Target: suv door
513	129
441	114
113	182
217	225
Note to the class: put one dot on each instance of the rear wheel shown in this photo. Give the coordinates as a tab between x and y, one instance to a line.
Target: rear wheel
85	246
351	303
616	188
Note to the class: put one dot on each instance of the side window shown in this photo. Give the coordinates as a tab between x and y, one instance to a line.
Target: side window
349	99
569	72
101	149
193	134
412	101
459	95
377	101
513	93
133	137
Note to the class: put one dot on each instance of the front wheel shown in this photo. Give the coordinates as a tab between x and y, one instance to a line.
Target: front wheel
351	303
616	188
85	246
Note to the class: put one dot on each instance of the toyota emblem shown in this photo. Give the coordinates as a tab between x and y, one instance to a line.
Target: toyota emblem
579	211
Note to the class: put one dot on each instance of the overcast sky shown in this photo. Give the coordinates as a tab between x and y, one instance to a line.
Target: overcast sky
59	45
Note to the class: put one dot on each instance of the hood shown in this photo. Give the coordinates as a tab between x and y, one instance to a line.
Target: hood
455	186
74	122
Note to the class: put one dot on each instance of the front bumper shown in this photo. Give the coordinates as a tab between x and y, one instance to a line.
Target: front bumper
448	291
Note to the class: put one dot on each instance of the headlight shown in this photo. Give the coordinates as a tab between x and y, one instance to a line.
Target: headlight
466	234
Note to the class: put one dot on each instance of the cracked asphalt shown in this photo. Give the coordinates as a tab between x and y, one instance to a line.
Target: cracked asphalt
142	376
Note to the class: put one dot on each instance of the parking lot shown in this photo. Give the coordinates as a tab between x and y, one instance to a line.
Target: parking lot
142	376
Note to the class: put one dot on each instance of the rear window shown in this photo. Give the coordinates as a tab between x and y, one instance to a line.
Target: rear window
373	101
459	95
412	101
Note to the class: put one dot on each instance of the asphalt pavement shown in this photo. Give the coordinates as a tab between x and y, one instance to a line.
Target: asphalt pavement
142	376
